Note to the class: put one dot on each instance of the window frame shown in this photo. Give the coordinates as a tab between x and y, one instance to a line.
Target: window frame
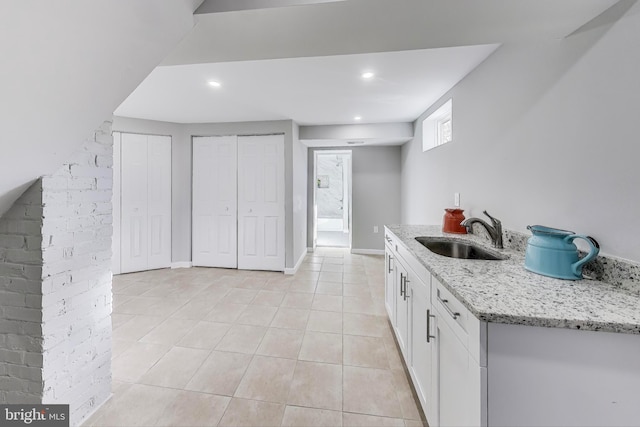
432	133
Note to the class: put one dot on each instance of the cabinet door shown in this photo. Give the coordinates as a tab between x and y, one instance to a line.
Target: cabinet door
215	232
389	285
422	342
402	309
454	378
261	219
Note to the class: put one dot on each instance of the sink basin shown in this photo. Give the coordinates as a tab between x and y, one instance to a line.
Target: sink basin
458	249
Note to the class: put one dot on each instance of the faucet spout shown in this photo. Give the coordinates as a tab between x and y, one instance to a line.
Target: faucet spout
494	230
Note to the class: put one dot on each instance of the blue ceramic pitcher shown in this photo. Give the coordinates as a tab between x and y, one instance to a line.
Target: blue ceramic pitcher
551	252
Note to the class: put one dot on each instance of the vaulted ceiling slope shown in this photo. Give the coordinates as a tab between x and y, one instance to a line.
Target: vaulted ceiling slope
66	65
366	26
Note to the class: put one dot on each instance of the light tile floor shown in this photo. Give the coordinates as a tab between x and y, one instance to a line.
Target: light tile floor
217	347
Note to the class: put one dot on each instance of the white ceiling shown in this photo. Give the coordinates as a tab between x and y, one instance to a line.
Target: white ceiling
310	91
303	62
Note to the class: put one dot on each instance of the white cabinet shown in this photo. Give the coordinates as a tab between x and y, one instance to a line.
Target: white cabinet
472	373
389	279
402	308
422	343
453	368
144	190
459	390
408	302
439	339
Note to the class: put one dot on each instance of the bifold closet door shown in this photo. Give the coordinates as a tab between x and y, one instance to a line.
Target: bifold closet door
159	201
214	232
145	202
261	221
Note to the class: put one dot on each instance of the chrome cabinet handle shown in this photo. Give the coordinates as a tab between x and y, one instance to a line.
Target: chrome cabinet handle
389	268
429	316
401	285
406	280
444	302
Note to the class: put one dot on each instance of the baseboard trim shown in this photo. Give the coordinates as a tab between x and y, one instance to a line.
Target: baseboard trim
368	251
294	270
310	250
181	264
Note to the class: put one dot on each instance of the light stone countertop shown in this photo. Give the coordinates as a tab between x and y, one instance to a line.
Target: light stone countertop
505	292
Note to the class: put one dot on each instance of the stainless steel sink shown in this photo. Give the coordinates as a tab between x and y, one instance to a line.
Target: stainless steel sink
457	249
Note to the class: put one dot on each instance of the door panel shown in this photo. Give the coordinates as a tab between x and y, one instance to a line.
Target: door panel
159	200
134	234
250	239
137	238
156	235
271	234
261	197
214	201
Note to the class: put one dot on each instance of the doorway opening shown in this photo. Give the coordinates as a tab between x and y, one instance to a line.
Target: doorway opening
332	196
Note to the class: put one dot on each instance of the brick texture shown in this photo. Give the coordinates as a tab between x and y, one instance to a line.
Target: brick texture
20	293
55	285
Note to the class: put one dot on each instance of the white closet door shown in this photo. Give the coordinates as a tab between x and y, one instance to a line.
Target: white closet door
134	235
261	222
145	202
159	201
215	202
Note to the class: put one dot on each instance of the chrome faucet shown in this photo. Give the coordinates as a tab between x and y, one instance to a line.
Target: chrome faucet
494	231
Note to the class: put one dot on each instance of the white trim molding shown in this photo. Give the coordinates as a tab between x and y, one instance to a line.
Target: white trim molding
368	251
310	250
181	264
294	270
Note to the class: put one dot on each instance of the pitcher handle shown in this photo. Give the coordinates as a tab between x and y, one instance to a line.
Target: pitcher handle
576	267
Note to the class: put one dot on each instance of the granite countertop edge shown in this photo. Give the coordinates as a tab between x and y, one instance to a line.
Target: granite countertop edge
510	294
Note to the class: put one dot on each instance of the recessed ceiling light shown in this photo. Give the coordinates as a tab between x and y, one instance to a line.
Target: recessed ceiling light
214	83
356	118
368	75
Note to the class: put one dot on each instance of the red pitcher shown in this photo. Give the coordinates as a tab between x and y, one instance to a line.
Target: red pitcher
452	219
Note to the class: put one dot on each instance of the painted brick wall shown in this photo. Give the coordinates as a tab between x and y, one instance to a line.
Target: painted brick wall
20	299
55	285
76	278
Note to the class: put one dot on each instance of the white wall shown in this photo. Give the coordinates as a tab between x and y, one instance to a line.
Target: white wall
300	166
543	133
375	194
76	278
65	67
55	285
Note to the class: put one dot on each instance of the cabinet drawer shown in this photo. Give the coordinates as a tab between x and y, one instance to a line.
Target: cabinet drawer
389	239
451	310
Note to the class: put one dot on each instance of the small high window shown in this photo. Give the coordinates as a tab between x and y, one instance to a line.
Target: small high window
437	129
